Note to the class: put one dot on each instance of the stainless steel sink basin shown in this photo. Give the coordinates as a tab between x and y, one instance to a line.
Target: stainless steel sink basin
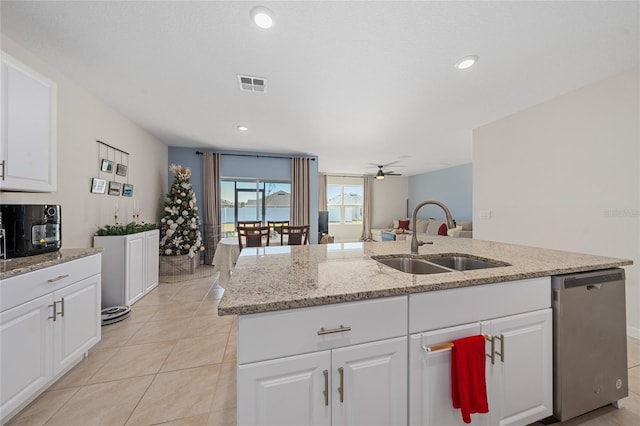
410	265
436	264
464	263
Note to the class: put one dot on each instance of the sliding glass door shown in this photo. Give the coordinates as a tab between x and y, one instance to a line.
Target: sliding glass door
244	199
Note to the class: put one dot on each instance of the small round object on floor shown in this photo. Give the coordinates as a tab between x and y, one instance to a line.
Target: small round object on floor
115	314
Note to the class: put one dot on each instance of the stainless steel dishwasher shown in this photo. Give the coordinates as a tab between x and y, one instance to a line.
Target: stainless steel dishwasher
589	341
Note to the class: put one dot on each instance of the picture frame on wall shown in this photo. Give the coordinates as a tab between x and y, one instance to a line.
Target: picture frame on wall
114	188
121	169
106	166
98	186
127	190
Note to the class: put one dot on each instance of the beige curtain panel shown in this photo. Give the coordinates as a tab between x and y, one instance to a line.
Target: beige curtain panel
366	208
322	191
300	191
211	203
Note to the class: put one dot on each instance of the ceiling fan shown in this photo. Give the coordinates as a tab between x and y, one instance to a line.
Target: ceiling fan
382	173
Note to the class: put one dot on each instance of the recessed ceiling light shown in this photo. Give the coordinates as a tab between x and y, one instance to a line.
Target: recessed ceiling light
262	17
466	62
243	128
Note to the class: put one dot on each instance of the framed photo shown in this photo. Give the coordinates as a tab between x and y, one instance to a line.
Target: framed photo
114	188
106	166
98	186
121	169
127	190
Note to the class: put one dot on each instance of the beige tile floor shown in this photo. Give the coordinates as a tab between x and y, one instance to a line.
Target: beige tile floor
173	363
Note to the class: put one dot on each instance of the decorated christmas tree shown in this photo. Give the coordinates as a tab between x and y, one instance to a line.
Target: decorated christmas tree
180	226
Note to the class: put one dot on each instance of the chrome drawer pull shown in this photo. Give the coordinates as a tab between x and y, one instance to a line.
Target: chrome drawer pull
61	277
333	330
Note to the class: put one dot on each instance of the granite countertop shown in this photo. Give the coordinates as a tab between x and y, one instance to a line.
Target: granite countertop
275	278
22	265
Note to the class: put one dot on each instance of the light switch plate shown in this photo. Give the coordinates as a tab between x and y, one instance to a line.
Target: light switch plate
484	214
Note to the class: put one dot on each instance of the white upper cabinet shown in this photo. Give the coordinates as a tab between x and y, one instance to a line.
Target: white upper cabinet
28	131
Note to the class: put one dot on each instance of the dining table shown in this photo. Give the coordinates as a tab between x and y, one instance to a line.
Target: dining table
225	258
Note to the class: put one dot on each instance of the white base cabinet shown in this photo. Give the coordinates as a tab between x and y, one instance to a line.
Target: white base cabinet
519	379
28	105
519	369
357	385
347	364
341	381
130	265
50	318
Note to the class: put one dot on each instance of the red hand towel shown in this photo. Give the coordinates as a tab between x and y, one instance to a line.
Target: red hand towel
468	382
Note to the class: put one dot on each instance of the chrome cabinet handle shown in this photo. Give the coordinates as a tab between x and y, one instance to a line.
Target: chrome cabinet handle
341	388
54	310
58	278
333	330
493	350
501	353
326	387
2	164
61	302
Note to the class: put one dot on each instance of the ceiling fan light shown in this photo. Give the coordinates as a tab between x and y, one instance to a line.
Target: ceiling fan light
380	175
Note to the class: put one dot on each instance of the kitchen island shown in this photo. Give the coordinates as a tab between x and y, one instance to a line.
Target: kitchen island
328	335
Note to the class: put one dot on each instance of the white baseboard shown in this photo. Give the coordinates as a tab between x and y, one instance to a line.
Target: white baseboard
633	331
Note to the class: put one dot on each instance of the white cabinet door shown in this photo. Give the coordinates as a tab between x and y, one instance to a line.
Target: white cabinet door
522	377
369	383
152	259
288	391
28	105
25	352
430	400
77	327
134	267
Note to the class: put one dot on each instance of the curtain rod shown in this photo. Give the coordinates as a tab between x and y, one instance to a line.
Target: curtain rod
257	156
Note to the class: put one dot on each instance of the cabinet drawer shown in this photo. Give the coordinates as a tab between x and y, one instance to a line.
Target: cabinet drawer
25	287
446	308
295	331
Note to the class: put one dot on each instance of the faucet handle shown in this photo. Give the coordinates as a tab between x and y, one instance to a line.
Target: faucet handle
421	243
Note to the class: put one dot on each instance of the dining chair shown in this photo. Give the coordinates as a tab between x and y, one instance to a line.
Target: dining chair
277	226
296	235
249	223
253	236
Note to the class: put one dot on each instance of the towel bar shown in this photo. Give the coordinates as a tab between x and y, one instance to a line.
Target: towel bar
447	345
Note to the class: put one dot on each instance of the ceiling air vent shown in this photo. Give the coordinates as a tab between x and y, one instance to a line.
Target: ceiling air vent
252	84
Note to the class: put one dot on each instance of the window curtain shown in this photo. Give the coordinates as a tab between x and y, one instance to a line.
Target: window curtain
211	202
300	191
366	208
322	191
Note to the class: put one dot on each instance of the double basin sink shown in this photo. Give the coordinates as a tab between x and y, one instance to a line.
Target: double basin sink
436	264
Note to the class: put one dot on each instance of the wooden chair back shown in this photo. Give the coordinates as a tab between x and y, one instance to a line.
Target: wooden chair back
277	226
253	236
249	223
296	235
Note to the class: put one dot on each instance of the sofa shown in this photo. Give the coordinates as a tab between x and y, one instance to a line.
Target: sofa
428	228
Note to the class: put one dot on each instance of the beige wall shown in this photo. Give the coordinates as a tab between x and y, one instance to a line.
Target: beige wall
565	174
83	119
389	202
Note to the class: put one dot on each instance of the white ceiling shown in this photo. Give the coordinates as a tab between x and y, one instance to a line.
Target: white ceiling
352	82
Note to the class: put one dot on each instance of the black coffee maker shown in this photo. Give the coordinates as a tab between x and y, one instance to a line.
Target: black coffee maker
31	229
